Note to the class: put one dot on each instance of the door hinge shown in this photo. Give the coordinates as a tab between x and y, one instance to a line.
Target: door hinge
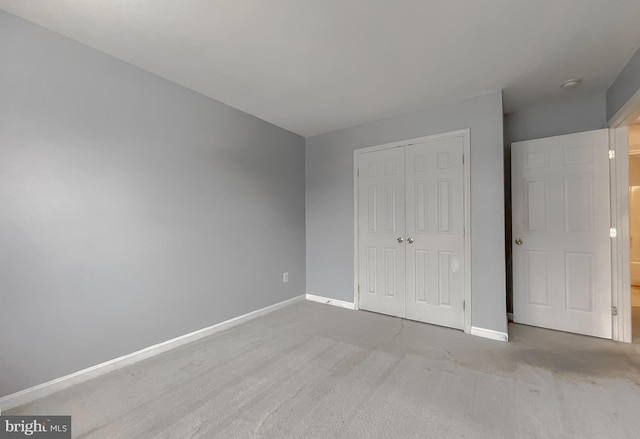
612	154
358	172
613	232
463	159
358	290
464	305
614	310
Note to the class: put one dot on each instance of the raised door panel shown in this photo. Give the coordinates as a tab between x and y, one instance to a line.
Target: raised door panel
537	278
536	205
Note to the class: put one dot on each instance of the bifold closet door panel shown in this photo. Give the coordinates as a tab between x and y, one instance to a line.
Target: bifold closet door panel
381	231
434	173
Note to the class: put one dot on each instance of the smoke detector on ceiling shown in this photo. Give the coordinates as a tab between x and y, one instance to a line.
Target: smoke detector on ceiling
570	83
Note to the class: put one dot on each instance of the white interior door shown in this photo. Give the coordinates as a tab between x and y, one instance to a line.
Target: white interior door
381	213
435	226
561	249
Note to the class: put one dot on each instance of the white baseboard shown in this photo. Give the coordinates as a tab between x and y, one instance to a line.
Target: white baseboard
328	301
489	333
41	390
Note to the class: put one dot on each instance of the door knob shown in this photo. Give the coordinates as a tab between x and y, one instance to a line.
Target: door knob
400	239
519	241
410	240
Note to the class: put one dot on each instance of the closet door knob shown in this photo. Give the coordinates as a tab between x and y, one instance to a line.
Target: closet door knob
410	240
400	239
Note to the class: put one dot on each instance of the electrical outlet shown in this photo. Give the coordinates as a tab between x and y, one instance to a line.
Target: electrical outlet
285	277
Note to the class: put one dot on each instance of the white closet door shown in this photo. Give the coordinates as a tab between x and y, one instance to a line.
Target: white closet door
381	213
561	249
435	223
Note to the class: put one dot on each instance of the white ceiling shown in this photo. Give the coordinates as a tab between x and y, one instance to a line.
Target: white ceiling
316	66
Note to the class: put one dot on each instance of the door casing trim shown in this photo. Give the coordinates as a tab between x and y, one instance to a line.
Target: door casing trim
619	201
466	136
620	246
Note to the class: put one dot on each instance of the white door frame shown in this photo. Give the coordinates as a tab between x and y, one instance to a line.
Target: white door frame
620	258
466	135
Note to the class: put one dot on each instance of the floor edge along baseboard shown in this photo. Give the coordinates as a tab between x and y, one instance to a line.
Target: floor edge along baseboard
31	394
478	332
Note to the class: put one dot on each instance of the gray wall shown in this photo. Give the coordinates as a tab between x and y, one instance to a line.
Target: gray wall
329	189
573	113
132	210
624	87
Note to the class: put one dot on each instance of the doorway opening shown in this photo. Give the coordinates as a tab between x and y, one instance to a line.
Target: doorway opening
634	227
625	144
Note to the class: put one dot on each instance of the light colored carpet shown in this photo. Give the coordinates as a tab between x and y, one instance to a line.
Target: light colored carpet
316	371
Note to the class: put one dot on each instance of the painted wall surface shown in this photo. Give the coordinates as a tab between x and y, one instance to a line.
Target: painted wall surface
634	139
133	210
624	87
573	114
634	171
329	189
